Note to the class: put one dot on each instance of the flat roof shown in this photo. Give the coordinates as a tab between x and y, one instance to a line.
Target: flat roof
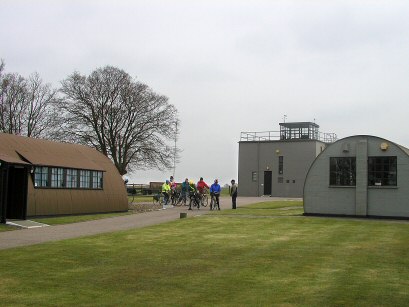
299	125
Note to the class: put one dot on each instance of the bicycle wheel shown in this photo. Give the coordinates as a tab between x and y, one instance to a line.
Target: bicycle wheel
190	203
205	200
163	201
179	201
197	203
175	198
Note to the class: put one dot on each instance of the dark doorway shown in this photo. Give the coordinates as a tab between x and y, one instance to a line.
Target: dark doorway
16	200
268	176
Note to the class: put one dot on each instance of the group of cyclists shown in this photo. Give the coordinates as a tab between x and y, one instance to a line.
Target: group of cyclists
195	192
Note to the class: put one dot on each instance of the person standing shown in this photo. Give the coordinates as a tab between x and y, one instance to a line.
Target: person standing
193	195
215	190
233	193
166	192
185	190
173	186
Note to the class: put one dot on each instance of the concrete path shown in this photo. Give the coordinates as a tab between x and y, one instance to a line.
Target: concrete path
25	237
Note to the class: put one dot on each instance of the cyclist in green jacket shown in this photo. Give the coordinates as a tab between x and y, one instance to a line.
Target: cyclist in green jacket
185	190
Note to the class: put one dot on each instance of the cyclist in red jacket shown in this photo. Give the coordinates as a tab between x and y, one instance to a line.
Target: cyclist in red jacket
201	185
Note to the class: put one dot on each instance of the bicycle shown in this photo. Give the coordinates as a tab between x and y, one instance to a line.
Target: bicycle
213	202
182	199
204	199
194	197
175	197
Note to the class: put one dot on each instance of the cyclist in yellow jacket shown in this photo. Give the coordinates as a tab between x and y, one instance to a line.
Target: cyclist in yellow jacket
166	191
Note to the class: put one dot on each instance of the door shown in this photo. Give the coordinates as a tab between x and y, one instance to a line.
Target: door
268	175
16	200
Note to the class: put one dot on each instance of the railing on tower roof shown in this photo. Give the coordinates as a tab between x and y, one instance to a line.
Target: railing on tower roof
291	131
260	136
276	136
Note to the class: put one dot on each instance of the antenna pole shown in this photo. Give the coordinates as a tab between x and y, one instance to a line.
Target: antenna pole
174	150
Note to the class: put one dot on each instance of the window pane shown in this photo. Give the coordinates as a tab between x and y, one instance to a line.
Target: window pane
96	180
85	179
343	171
382	171
100	180
72	179
41	176
57	176
280	165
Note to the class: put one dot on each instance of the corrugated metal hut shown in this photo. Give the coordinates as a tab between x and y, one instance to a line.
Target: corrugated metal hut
41	177
360	175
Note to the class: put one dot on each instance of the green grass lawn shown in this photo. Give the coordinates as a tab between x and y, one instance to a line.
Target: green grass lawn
141	199
6	228
69	219
219	260
271	208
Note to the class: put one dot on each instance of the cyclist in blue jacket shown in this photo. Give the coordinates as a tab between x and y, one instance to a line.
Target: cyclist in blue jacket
215	190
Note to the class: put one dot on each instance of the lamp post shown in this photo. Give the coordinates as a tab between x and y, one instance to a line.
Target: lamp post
174	149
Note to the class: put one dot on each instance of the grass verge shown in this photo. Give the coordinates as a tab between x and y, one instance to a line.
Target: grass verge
6	228
136	207
69	219
218	260
140	199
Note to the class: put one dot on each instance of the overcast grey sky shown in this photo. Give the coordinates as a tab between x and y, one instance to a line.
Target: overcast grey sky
229	66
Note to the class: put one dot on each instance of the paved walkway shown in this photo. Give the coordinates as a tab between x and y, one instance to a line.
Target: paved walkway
25	237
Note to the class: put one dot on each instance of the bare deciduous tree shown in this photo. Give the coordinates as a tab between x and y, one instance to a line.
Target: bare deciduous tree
41	116
1	68
26	105
120	117
13	96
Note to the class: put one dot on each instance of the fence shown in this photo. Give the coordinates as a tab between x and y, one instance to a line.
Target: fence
134	189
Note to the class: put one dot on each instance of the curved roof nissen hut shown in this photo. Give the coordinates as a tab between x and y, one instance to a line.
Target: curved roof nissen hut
40	177
359	176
